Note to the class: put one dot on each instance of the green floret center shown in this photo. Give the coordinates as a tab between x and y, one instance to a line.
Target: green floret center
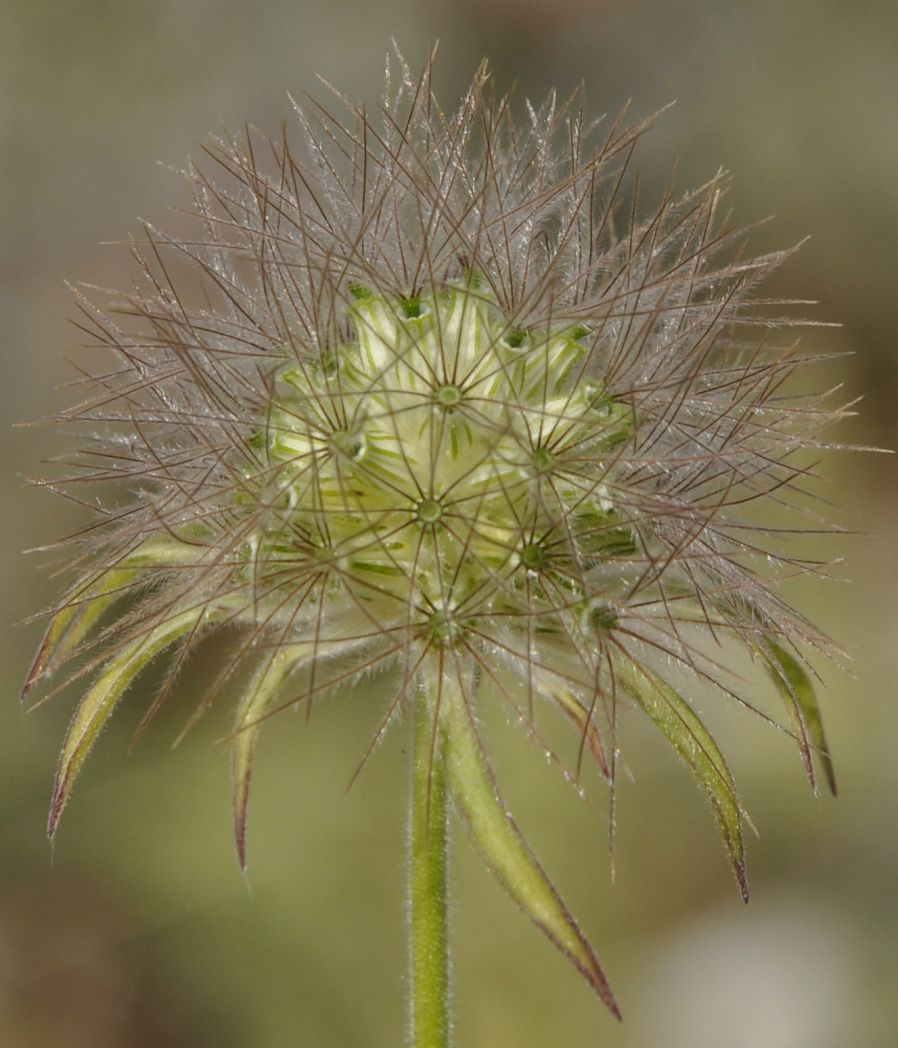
601	616
352	445
412	308
443	630
448	396
428	511
542	459
515	339
534	557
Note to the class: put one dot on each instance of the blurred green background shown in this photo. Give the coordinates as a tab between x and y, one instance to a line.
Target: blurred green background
138	929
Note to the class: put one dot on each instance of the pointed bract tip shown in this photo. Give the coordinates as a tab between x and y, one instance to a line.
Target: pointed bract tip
597	980
241	806
240	841
35	671
60	796
741	872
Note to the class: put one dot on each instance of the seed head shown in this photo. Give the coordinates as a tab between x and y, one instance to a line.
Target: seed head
432	399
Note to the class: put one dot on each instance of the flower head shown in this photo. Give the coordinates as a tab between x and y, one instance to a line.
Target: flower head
432	399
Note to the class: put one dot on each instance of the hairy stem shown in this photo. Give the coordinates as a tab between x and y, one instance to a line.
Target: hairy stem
429	1024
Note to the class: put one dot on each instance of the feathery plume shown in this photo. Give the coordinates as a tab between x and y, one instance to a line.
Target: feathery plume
430	397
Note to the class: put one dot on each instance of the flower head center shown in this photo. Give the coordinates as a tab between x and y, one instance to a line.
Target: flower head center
448	396
515	338
601	616
351	445
534	557
412	308
443	630
429	511
542	459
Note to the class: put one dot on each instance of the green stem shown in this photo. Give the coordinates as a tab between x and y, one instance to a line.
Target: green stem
428	913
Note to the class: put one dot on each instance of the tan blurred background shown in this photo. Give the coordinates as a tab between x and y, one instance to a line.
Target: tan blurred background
138	929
